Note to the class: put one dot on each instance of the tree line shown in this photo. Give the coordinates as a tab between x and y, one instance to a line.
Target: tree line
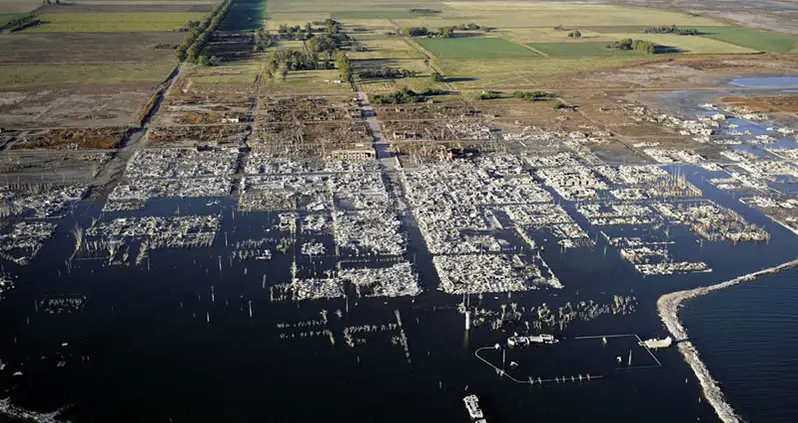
425	11
673	29
522	95
423	31
200	33
386	72
533	95
300	33
404	95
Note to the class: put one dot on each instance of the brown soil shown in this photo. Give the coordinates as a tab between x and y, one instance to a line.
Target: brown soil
214	134
73	139
764	104
84	106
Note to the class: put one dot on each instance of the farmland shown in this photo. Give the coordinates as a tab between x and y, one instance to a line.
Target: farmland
114	22
15	76
750	38
245	15
377	14
472	74
88	48
473	48
546	15
578	49
100	63
688	44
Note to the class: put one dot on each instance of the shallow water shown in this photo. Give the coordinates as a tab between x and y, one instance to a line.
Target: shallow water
767	82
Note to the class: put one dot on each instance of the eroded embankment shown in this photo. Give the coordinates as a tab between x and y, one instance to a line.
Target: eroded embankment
668	308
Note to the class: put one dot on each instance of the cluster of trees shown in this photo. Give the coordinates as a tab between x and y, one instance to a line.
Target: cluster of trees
403	95
295	32
386	72
299	33
533	95
284	60
263	40
637	45
208	61
489	95
415	31
200	33
468	27
344	66
560	105
18	24
446	32
423	31
575	34
319	40
671	30
327	43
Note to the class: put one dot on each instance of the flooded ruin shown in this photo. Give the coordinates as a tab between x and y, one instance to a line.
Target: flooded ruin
235	268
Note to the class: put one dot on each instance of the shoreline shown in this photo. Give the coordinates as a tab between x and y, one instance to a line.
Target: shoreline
668	310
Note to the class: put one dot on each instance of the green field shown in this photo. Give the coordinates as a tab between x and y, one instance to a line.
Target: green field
244	15
577	49
744	37
519	72
518	14
114	22
5	17
387	49
445	48
688	43
750	38
40	75
376	14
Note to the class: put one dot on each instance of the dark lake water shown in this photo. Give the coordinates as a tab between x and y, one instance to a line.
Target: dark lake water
746	335
173	341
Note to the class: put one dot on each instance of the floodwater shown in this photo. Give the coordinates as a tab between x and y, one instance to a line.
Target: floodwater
746	335
174	340
767	82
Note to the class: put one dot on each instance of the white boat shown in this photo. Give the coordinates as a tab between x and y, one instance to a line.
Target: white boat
524	341
655	343
543	338
472	405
